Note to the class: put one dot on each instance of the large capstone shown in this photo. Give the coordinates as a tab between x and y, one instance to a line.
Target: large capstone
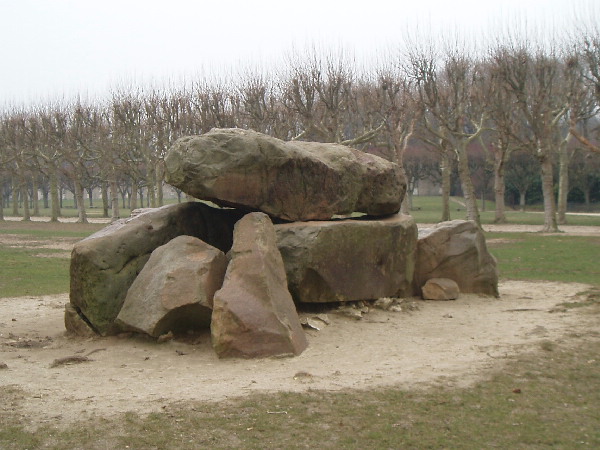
104	265
347	260
456	250
253	313
288	180
175	289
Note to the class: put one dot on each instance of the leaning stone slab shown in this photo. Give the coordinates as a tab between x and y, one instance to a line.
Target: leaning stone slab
440	289
288	180
456	250
75	324
348	260
174	291
253	313
104	265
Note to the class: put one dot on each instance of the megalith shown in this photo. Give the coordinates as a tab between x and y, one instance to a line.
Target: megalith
347	260
294	181
456	250
174	291
253	313
104	265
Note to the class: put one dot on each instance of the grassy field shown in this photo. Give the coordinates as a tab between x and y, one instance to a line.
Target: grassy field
532	256
548	399
428	210
30	269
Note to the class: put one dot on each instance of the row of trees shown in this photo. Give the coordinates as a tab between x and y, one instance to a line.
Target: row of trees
513	99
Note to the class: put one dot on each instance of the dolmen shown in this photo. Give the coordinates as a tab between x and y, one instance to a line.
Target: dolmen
277	225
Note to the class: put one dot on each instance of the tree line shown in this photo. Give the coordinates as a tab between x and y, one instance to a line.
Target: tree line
434	111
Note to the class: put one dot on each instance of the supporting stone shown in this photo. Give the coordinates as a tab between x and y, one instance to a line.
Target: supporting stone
174	291
456	250
104	265
254	314
347	260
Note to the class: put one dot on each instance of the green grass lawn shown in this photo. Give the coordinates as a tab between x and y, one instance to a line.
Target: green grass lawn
532	256
29	269
429	210
547	399
25	273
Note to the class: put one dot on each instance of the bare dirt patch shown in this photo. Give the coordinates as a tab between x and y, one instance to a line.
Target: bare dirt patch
452	343
20	241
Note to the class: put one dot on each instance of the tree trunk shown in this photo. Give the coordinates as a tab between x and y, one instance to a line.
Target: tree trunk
1	200
406	205
45	198
104	194
522	195
133	201
550	225
160	175
15	197
35	200
55	202
467	186
90	192
151	190
114	195
499	188
141	193
563	183
446	172
586	197
25	197
79	196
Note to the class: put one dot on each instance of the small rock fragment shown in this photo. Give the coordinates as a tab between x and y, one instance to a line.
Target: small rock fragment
440	289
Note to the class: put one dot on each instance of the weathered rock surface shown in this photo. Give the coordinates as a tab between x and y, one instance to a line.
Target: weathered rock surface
253	313
175	289
289	180
75	324
440	289
347	260
456	250
104	265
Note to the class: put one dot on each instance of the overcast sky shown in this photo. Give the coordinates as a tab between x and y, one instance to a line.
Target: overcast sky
59	48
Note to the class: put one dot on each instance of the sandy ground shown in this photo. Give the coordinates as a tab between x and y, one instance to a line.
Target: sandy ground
452	343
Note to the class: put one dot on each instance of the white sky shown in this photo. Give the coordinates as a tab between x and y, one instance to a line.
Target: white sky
59	48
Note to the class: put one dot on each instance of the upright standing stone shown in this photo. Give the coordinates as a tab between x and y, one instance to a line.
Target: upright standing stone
456	250
253	313
289	180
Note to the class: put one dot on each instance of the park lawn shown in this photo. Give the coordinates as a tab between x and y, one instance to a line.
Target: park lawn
29	269
535	256
546	399
26	272
428	210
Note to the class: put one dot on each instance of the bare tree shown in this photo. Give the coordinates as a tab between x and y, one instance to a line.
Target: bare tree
391	113
451	97
534	78
522	173
588	64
